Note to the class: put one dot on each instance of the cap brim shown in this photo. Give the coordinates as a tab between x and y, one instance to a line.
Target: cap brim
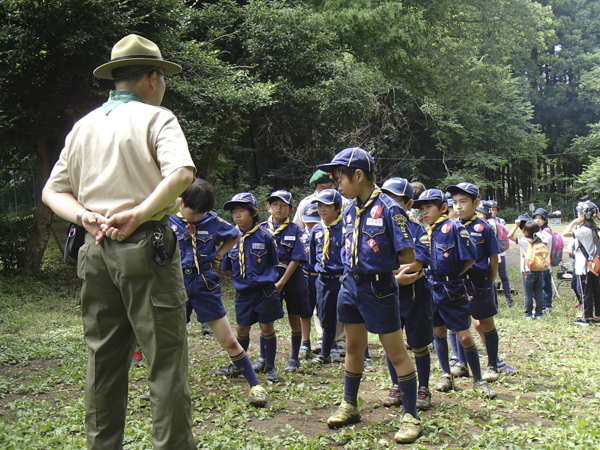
228	206
417	203
280	198
328	167
309	219
105	70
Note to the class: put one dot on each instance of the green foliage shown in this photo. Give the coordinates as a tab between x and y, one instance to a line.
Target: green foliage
13	240
588	183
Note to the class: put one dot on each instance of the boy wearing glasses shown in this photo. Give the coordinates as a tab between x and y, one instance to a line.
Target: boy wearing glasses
203	240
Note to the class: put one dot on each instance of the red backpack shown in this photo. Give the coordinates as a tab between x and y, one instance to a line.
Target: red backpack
556	252
503	241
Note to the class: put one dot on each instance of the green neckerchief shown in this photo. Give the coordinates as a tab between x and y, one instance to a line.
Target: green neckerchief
117	98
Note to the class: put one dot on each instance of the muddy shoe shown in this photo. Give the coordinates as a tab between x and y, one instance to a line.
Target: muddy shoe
410	430
445	383
320	359
423	399
345	415
393	398
259	365
484	388
460	370
304	352
258	396
230	371
491	374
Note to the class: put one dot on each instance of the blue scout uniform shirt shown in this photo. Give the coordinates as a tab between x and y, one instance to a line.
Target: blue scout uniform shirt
259	254
305	239
482	234
450	246
382	233
421	240
333	264
210	230
289	243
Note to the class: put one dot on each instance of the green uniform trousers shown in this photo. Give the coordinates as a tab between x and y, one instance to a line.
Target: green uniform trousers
127	296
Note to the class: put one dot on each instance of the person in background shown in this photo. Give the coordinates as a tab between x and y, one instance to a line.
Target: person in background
540	216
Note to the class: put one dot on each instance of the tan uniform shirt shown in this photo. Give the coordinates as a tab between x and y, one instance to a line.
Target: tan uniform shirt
112	163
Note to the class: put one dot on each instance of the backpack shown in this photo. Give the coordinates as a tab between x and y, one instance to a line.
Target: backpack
503	241
556	253
538	257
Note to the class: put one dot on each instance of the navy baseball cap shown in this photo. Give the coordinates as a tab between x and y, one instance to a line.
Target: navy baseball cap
354	157
461	188
398	186
242	197
524	218
282	195
449	200
329	197
311	214
429	196
541	212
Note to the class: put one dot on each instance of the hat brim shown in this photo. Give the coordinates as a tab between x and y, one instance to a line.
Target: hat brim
418	203
318	200
105	70
273	197
310	219
398	194
328	167
228	206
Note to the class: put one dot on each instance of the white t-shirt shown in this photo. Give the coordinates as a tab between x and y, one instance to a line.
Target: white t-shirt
523	242
584	237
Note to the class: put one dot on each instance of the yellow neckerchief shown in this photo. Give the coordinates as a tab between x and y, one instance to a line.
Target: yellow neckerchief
281	227
355	234
470	221
326	229
241	249
430	228
193	239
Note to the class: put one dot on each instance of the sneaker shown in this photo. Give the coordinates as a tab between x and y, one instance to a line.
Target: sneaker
259	365
335	356
270	373
304	352
484	388
594	320
345	415
137	358
393	398
510	303
453	361
547	310
258	396
293	365
460	370
317	347
410	430
206	329
145	397
320	359
341	345
491	374
423	399
445	383
582	322
368	367
528	316
505	368
231	371
538	317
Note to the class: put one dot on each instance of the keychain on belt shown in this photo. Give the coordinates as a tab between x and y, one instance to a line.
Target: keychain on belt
160	250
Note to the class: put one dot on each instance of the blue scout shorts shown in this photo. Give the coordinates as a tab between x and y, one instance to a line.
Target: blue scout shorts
369	301
257	304
450	305
481	288
294	293
310	278
204	295
328	288
416	313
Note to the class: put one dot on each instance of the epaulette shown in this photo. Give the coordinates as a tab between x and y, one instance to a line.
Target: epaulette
387	200
216	216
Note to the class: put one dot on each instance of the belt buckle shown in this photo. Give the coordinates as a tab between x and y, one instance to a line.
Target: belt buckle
356	276
188	271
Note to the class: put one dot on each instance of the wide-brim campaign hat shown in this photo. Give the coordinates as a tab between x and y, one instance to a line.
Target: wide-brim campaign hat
134	50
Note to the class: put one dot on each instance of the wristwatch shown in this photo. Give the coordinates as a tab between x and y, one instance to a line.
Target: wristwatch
80	214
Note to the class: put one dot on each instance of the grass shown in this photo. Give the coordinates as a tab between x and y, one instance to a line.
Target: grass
553	402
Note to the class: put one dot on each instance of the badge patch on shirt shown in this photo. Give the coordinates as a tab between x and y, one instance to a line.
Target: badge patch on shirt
258	260
447	227
424	239
374	222
372	243
348	218
174	227
376	211
319	234
347	243
400	220
202	232
258	246
446	254
478	227
289	238
464	233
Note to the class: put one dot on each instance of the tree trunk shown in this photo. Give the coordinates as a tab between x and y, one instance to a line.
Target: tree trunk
42	217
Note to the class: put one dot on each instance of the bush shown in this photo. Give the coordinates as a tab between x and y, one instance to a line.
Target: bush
13	241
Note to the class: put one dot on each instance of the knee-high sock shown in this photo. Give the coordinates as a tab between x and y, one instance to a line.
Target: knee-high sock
367	354
453	343
244	341
491	344
243	363
262	346
462	359
423	363
441	350
392	370
472	355
351	385
270	348
296	340
407	385
327	343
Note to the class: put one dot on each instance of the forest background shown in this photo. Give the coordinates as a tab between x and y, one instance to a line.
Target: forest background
503	93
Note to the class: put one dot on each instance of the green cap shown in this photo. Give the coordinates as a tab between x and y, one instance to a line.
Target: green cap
321	177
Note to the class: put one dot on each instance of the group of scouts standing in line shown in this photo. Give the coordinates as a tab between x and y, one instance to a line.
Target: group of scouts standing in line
126	175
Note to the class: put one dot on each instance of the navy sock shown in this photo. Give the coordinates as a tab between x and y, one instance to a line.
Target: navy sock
367	354
441	350
423	363
407	385
392	370
472	355
296	340
270	348
262	346
334	345
244	341
491	344
453	342
328	338
243	363
351	385
306	343
462	359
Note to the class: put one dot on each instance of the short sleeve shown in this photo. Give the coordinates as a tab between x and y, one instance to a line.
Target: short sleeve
172	151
